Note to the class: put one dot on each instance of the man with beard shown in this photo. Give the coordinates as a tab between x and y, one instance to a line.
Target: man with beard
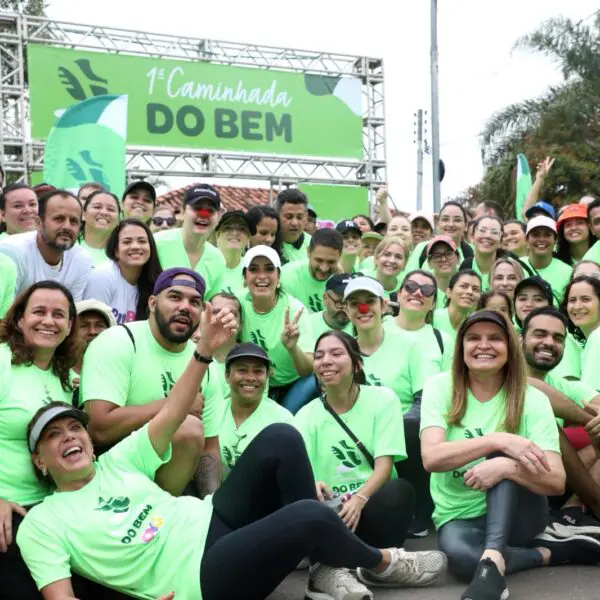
50	252
305	279
128	372
543	341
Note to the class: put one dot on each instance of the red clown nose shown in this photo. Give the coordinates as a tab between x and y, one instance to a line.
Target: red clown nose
204	213
363	309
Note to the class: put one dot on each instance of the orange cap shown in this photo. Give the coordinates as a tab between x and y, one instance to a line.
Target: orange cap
572	211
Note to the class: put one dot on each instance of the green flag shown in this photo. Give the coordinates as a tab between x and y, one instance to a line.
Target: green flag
523	183
87	143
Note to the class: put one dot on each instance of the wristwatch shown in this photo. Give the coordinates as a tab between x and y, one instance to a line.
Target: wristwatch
202	359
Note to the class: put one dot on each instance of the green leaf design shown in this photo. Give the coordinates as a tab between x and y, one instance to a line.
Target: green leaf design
320	85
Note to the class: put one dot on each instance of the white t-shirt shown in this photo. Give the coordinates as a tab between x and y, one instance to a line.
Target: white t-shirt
105	283
31	266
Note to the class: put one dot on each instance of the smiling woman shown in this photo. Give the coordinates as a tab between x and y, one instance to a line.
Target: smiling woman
101	213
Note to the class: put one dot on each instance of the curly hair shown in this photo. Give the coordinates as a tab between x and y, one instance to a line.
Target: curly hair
66	354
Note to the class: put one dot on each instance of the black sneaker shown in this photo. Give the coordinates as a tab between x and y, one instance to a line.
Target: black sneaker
574	550
573	521
487	583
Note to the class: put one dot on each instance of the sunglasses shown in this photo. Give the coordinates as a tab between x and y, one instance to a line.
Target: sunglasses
427	289
158	221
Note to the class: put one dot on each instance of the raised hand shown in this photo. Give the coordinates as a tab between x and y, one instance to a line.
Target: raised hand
291	329
544	167
216	329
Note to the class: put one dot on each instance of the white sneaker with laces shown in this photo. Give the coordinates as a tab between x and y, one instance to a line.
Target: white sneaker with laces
327	583
407	569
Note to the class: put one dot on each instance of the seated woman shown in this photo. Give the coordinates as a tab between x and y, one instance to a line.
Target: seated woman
109	521
125	281
491	444
353	435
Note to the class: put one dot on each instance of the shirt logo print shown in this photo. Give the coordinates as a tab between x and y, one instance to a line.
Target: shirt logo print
314	303
347	456
167	382
374	380
116	505
258	339
477	432
232	454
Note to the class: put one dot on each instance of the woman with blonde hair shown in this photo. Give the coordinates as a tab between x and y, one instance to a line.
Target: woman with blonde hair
491	444
505	274
390	259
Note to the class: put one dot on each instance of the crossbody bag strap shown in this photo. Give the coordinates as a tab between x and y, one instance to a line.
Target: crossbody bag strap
349	432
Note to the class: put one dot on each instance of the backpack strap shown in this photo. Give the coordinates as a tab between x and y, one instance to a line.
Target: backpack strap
129	334
440	340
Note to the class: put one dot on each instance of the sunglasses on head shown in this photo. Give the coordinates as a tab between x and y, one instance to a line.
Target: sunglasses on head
427	289
158	221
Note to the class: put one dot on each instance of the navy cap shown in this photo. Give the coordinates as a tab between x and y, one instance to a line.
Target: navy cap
236	214
247	350
348	225
337	283
169	277
541	206
538	282
203	191
485	316
140	185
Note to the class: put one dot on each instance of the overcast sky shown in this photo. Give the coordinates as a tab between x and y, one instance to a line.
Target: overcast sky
479	73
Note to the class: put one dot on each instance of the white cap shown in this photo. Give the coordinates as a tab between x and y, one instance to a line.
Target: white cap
422	215
265	251
540	221
586	199
96	306
364	284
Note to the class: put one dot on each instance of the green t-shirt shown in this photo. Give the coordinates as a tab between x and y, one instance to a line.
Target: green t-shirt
232	281
576	391
234	440
441	321
265	330
452	498
297	281
557	274
429	343
485	277
120	529
590	360
401	364
375	419
8	283
318	326
98	254
297	251
570	364
172	254
593	253
114	371
24	390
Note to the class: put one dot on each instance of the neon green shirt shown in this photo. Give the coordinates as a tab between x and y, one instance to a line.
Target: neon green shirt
115	371
576	391
98	254
234	440
452	498
557	274
401	364
172	254
570	365
590	360
318	326
265	330
485	277
232	281
297	251
429	343
375	419
593	253
441	321
120	529
297	281
24	390
8	283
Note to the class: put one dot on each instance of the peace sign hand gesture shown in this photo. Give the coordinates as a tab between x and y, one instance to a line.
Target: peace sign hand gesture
544	167
291	330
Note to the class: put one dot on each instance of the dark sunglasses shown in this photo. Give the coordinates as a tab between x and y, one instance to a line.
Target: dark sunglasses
158	221
427	290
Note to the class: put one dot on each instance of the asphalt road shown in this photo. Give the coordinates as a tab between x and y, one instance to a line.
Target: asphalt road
550	583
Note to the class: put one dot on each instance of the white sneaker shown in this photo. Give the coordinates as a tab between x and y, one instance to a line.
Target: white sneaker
408	569
327	583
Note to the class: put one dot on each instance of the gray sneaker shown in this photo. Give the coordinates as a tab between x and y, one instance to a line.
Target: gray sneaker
409	569
327	583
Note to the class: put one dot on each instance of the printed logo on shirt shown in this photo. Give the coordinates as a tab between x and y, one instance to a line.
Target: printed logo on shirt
167	382
315	303
258	339
47	395
121	318
116	505
149	532
347	455
374	380
232	454
477	432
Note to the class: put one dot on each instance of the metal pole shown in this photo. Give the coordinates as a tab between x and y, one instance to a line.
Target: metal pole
420	159
435	112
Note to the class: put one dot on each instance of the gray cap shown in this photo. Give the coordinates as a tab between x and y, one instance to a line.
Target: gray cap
56	412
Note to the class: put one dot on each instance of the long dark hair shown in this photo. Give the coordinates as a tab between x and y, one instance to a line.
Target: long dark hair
150	271
563	252
595	283
456	277
351	347
89	200
256	214
66	354
422	272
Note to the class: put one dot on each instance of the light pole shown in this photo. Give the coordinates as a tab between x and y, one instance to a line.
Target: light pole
435	111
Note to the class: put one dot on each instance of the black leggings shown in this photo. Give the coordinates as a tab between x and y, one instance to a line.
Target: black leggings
18	584
266	519
514	517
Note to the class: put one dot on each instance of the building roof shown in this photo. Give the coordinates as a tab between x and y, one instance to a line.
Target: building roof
232	198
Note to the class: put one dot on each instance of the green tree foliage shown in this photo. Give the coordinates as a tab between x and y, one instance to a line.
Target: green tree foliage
36	8
564	122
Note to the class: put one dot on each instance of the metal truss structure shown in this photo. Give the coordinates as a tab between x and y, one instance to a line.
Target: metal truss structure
21	155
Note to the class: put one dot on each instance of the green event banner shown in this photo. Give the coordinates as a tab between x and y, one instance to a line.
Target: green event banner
198	104
336	202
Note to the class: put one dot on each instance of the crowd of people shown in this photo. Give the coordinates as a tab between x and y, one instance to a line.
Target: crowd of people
196	402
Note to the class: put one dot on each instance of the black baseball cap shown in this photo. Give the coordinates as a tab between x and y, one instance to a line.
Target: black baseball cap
485	316
348	225
247	350
236	214
203	191
337	283
538	282
140	185
311	211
